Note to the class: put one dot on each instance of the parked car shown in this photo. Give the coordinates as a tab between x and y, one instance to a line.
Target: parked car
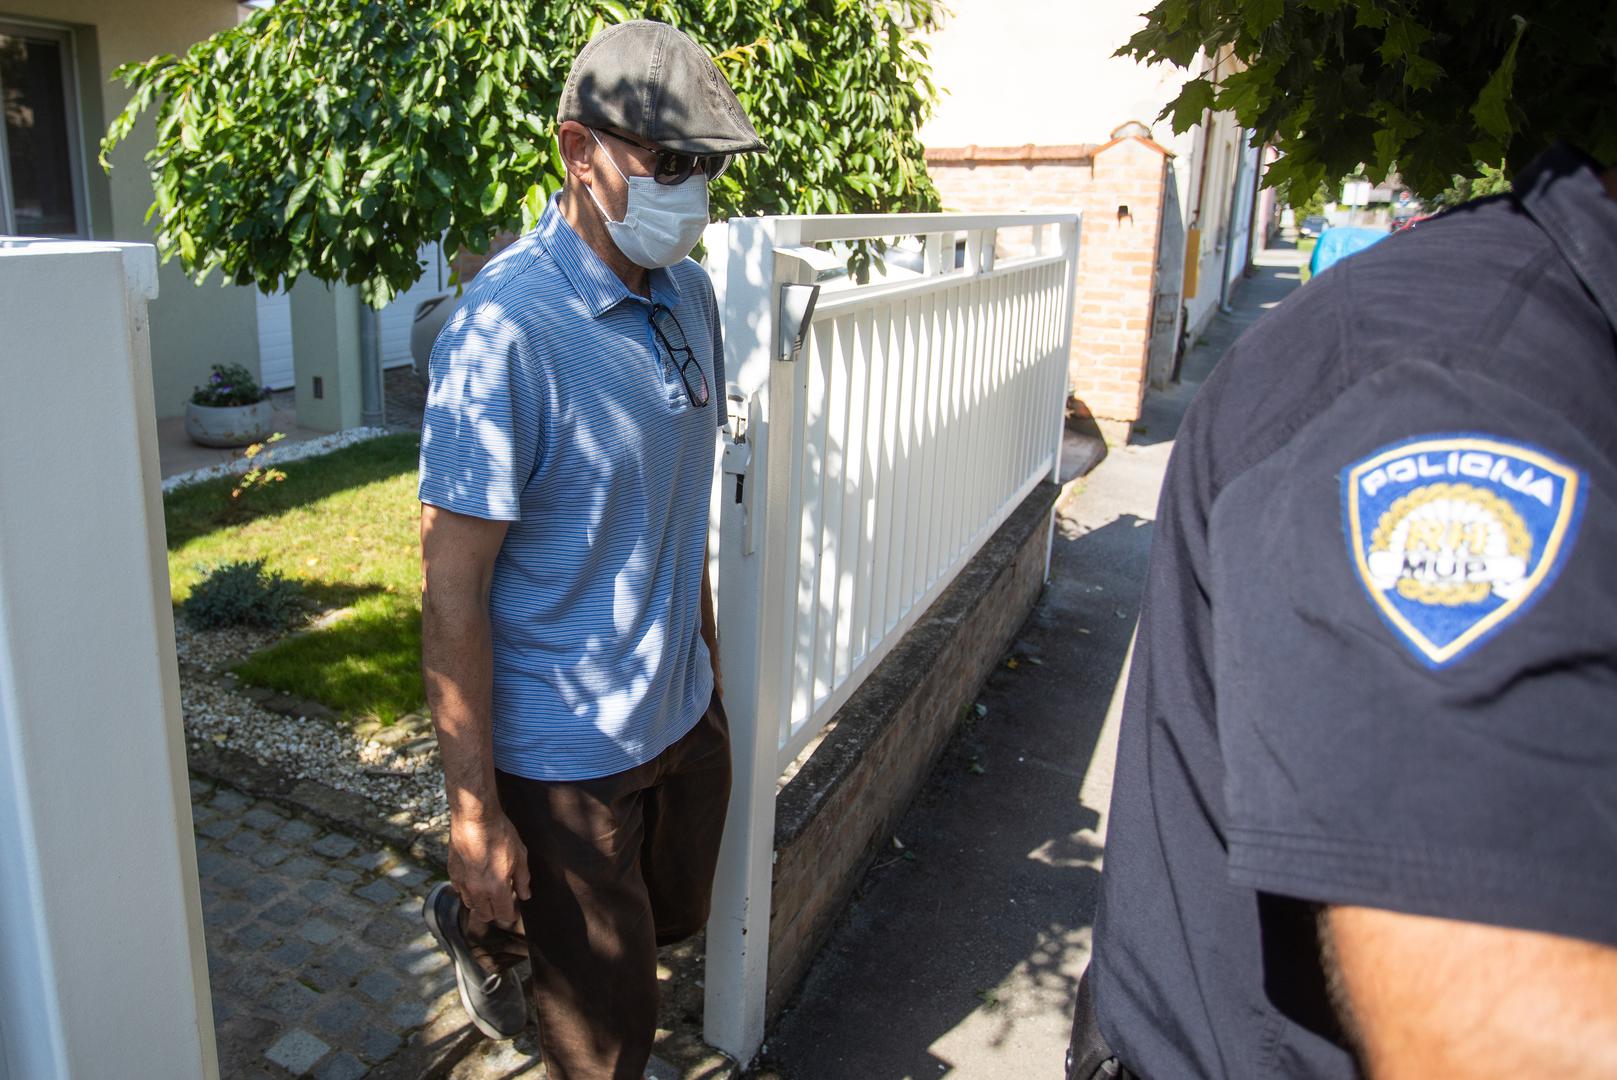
1313	225
430	316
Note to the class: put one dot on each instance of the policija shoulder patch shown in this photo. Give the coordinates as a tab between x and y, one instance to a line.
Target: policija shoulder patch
1454	535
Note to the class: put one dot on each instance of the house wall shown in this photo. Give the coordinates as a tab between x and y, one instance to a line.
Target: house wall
191	327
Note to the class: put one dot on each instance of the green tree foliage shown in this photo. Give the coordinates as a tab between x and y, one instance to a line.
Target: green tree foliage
334	138
1489	180
1430	87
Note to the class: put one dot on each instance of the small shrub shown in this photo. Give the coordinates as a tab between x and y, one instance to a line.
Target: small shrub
230	384
242	594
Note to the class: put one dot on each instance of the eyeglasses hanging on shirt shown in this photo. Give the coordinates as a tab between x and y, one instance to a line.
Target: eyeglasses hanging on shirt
671	339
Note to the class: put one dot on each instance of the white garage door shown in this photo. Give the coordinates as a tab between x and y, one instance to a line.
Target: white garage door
275	341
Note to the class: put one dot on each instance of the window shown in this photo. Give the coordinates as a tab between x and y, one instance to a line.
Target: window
41	170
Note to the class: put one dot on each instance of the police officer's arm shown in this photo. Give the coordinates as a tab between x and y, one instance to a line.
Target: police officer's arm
1438	997
486	859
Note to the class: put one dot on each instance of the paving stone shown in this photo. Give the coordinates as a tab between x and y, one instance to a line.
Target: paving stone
270	855
292	954
245	842
223	1011
343	874
218	828
334	845
261	889
260	817
301	867
319	932
297	1051
210	862
410	1013
378	1044
324	977
318	891
378	892
408	877
250	980
199	814
422	961
199	788
270	806
225	914
287	912
388	931
229	802
340	1018
350	961
379	986
252	936
292	1000
371	860
342	1066
296	831
233	874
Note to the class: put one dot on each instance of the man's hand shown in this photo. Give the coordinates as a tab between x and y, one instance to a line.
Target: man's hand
488	867
1437	997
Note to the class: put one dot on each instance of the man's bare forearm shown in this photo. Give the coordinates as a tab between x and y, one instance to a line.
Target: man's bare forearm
457	664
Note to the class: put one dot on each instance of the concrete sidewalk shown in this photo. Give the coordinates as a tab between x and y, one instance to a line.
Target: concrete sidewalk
961	953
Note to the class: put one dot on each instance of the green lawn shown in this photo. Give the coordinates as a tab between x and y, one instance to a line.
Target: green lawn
344	525
1306	247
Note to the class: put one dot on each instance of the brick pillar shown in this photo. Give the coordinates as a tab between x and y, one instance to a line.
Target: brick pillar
1117	259
1117	254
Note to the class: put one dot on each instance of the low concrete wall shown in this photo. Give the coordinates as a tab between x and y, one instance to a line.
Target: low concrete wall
842	806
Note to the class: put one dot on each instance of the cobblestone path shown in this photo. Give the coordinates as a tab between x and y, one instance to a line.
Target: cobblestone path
319	962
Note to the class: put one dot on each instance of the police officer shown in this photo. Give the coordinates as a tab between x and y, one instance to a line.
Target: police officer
1365	812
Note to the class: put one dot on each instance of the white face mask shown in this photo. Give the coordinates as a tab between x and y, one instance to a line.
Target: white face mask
663	222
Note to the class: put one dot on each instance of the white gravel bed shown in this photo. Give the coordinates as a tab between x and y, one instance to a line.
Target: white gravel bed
404	779
276	455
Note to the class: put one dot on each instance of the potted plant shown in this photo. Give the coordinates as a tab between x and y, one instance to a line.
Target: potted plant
231	410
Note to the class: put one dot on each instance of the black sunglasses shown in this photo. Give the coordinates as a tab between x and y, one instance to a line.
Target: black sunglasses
674	166
680	355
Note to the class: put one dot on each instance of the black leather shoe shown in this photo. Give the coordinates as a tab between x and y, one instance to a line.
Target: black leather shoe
494	1002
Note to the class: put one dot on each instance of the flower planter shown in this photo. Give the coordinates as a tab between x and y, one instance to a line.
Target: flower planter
229	425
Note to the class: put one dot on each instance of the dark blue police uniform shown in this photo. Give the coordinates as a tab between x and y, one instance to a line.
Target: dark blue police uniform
1377	659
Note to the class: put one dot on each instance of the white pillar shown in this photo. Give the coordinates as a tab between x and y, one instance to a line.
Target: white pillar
103	970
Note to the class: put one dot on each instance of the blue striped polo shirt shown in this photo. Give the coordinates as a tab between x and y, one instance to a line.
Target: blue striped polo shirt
551	407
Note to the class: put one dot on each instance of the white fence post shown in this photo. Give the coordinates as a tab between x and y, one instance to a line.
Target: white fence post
103	970
738	928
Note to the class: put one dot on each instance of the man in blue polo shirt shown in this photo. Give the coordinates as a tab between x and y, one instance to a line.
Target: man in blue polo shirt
568	637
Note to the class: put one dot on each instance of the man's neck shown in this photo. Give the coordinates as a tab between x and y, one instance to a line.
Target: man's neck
579	211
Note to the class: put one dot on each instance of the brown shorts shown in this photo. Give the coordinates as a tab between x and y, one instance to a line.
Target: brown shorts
619	865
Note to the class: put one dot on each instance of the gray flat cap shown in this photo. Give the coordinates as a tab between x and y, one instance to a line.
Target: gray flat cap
650	81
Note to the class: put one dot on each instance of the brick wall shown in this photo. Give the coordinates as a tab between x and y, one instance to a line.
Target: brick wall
1117	254
844	804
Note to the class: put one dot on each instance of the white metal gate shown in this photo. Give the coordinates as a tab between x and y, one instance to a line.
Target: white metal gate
869	458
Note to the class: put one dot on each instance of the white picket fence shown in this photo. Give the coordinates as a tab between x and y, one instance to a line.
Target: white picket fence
867	462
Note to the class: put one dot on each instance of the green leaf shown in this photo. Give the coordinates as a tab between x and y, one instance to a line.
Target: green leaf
1492	108
494	197
480	95
619	13
295	201
1197	96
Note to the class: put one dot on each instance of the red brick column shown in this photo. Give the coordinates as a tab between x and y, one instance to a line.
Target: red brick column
1117	251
